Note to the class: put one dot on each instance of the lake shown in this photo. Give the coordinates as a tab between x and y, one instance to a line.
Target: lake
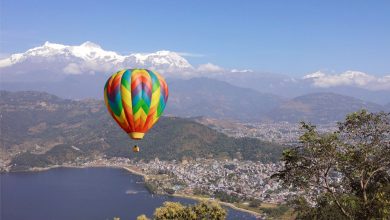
87	194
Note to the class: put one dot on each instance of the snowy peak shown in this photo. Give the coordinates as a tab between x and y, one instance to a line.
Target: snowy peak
47	44
162	57
90	44
92	51
90	56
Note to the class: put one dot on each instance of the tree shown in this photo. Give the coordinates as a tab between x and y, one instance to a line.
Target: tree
344	174
201	211
142	217
255	203
170	210
208	210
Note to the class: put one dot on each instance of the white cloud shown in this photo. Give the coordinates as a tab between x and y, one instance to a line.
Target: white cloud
241	71
209	67
72	68
349	78
88	68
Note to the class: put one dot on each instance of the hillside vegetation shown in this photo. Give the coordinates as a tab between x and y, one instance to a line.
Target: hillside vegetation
38	129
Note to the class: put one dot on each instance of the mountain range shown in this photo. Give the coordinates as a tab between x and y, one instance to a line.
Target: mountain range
52	62
377	91
79	72
40	129
320	108
220	100
217	99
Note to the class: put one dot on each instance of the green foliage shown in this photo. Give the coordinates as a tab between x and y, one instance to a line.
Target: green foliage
174	138
170	210
208	210
151	186
142	217
324	209
383	198
275	212
345	174
24	161
202	210
224	197
169	191
255	203
56	156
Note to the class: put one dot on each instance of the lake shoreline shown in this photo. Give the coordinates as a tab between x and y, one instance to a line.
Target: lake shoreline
230	205
145	176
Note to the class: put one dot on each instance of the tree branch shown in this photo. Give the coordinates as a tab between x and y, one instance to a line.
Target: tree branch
327	187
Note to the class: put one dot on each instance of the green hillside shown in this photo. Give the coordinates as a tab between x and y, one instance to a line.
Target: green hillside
38	129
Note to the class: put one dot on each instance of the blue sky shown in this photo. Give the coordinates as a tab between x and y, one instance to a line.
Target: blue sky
289	37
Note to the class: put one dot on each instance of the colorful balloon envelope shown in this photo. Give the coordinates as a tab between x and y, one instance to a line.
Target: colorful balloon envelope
136	98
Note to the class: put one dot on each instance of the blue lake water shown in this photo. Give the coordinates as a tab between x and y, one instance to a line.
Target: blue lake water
87	194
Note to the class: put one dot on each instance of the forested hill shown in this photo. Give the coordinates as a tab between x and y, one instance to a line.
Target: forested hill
39	129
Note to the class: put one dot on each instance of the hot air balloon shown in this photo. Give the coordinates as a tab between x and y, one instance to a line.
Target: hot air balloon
136	98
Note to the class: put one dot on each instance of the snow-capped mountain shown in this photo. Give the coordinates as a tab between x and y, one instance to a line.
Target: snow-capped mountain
79	71
87	58
87	51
